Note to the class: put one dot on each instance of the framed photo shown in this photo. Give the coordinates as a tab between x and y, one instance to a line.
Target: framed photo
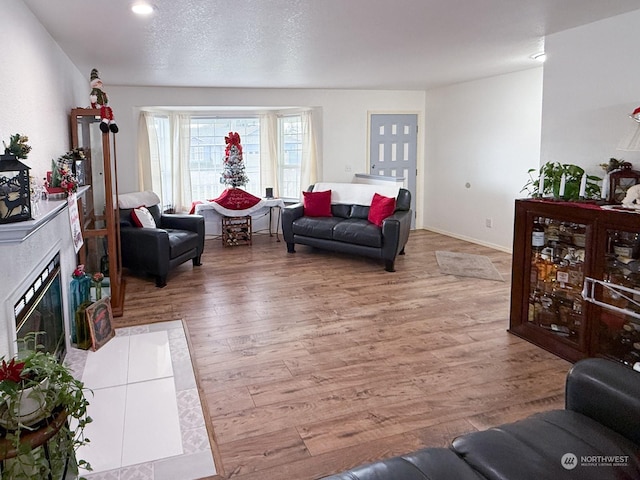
99	318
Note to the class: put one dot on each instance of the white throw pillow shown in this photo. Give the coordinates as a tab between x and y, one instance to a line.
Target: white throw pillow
142	217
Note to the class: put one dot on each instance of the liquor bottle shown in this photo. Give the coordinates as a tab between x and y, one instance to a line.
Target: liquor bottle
533	276
565	232
635	353
632	331
579	235
562	275
629	343
537	235
540	269
534	306
623	244
553	231
575	318
553	265
614	277
547	315
576	276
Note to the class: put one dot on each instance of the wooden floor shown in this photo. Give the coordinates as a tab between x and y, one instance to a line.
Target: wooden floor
314	362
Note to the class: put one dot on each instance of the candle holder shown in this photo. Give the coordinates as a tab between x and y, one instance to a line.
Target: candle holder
562	182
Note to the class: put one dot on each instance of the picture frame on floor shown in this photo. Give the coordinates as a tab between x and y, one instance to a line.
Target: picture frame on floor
100	320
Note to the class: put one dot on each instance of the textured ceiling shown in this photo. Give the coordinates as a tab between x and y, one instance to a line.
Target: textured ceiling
364	44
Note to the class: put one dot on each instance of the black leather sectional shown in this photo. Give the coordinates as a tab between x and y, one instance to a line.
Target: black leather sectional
596	437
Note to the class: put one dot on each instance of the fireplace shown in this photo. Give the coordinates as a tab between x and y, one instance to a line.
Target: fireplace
40	309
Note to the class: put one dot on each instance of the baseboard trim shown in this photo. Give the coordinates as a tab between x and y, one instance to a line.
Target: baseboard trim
469	239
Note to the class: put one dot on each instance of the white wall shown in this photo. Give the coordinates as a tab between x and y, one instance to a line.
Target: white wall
591	85
484	133
343	139
38	87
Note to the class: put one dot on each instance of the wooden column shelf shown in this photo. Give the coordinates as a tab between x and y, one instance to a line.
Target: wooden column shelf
101	225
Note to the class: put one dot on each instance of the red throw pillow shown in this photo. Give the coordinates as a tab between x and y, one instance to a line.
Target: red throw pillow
317	204
381	208
142	217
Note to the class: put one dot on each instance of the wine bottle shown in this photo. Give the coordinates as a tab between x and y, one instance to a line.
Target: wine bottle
537	235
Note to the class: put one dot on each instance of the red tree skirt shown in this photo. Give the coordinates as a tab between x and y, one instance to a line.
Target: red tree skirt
236	199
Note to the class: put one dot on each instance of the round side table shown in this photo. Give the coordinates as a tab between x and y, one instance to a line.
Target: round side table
43	432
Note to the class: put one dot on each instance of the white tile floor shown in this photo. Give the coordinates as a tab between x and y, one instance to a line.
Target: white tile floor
147	417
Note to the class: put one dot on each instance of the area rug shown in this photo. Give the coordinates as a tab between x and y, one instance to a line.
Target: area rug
467	265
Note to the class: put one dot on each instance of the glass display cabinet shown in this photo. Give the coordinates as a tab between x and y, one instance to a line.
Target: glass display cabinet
550	260
98	211
576	279
615	291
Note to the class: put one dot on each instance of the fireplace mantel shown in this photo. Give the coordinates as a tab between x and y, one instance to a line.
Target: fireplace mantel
27	248
47	210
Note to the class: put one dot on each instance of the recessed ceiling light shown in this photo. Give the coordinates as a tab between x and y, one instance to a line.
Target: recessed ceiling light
540	57
142	9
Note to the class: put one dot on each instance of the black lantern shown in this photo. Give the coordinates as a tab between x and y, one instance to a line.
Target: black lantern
15	197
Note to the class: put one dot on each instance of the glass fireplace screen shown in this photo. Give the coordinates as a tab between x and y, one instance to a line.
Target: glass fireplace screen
40	310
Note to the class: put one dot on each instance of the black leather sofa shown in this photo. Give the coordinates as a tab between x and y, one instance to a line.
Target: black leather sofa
349	231
596	437
156	251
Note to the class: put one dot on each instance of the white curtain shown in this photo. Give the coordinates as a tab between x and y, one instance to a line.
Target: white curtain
144	153
174	191
309	167
180	149
269	153
149	156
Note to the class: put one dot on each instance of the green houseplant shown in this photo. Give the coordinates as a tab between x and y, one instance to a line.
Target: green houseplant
38	378
552	173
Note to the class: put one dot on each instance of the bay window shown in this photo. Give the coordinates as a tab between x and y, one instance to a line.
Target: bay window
183	159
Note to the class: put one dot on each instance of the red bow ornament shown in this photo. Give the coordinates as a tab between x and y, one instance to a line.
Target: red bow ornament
231	140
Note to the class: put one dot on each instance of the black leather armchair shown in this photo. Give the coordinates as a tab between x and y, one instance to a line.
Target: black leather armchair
156	251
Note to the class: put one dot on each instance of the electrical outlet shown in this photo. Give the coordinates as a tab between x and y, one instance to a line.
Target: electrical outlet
347	168
488	222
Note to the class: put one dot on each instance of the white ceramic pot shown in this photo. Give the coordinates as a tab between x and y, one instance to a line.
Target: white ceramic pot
29	408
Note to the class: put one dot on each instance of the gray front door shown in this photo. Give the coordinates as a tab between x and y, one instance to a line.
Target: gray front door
393	149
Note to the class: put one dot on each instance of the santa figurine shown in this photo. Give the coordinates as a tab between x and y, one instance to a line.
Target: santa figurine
99	98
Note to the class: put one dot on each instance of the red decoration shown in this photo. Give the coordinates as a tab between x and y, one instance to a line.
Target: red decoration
78	272
11	371
232	139
49	188
236	198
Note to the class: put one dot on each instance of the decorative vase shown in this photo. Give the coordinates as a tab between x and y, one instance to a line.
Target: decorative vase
29	408
80	289
83	335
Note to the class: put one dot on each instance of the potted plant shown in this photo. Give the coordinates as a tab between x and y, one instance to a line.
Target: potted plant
18	146
552	174
37	392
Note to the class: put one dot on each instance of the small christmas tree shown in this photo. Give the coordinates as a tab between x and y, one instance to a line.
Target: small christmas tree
233	173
